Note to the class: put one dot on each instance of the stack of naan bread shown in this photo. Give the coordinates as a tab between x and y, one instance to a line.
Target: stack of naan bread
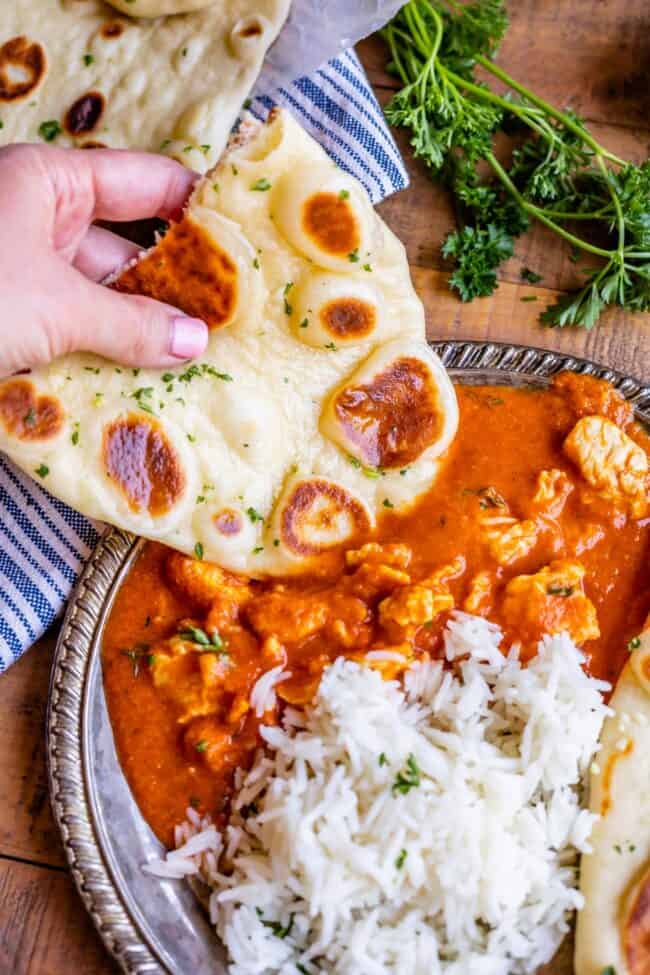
83	74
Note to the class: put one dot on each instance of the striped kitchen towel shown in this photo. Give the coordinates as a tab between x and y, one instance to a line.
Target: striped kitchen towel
43	543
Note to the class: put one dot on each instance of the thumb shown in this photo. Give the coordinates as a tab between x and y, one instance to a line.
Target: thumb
132	329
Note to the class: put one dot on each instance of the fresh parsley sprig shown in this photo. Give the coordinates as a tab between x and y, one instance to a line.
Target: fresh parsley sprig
559	174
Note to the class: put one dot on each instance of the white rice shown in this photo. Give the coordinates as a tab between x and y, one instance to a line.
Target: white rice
327	867
263	694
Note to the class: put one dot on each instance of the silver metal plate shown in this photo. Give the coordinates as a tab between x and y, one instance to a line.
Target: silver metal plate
151	926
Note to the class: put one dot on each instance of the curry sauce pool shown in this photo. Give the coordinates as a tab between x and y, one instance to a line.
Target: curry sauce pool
512	530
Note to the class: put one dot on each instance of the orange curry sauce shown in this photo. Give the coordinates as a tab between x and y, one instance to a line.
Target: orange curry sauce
180	716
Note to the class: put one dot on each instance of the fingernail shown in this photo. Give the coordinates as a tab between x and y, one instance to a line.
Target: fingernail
189	337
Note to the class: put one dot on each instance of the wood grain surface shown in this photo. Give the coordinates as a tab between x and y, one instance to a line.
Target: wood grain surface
591	54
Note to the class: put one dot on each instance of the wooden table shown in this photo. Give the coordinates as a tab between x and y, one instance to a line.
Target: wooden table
591	54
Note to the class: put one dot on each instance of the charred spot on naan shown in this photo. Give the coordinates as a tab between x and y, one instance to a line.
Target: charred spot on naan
346	318
84	114
113	29
142	463
22	68
635	932
330	222
188	269
228	521
318	514
394	418
27	415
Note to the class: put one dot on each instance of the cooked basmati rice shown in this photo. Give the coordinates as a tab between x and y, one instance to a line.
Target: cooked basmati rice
429	829
263	694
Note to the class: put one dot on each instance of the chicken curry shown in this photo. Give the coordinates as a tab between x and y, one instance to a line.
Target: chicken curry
539	521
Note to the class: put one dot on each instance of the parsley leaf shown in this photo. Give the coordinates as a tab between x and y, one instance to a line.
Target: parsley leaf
558	173
408	778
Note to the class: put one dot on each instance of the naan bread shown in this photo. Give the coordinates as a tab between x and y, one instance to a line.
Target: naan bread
75	72
159	8
318	405
613	929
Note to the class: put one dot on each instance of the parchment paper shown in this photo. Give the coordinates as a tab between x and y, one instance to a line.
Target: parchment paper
316	31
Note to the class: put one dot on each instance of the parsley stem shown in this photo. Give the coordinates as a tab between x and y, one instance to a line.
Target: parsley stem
540	213
548	109
620	219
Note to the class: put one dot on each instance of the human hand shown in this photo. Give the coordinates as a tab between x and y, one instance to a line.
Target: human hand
51	257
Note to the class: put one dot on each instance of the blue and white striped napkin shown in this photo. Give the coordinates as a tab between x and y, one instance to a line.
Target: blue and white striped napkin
43	543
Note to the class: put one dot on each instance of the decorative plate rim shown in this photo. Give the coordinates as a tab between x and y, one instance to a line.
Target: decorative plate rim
89	604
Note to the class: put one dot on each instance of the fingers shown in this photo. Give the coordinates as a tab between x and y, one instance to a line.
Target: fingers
136	185
138	331
61	191
101	253
86	317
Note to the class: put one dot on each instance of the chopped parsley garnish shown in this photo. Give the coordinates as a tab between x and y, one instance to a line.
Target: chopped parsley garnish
201	745
88	59
530	276
490	498
382	759
254	515
30	417
191	438
198	550
258	549
142	397
304	323
278	929
367	267
408	778
194	802
331	346
204	369
371	472
404	471
235	171
560	590
49	130
209	643
401	859
288	310
353	256
528	298
344	195
136	371
42	470
165	143
634	643
140	651
205	149
276	542
256	263
387	503
261	185
608	970
74	436
94	369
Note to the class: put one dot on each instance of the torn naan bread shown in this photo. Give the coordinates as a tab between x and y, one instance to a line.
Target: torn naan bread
159	8
76	73
317	406
613	928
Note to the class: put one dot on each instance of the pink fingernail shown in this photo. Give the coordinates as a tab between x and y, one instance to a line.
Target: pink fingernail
189	337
